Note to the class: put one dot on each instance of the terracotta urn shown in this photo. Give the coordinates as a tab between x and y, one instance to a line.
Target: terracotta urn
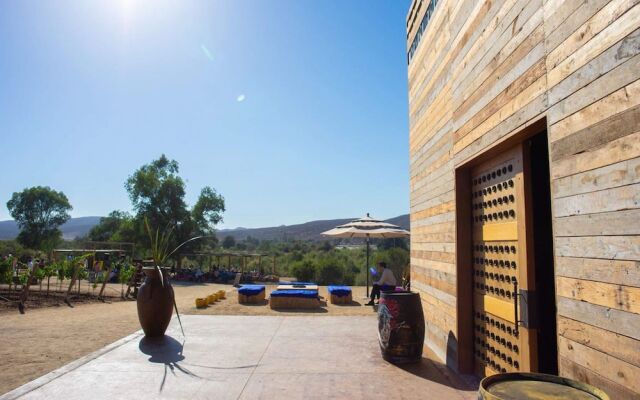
155	302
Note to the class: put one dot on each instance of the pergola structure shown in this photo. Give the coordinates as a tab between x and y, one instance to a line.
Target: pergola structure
93	249
230	254
100	247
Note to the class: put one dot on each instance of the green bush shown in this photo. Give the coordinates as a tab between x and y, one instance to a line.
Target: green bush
329	273
6	270
304	270
397	260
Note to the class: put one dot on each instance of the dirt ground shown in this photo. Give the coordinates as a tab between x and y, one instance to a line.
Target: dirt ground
44	339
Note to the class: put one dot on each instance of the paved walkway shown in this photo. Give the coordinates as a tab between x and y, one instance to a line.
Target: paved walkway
249	357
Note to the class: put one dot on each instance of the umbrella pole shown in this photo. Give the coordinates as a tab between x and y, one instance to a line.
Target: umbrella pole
366	267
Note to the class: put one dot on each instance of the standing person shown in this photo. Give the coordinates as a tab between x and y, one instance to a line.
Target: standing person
387	281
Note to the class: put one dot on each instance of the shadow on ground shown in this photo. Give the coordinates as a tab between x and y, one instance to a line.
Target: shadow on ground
168	351
301	310
352	304
435	372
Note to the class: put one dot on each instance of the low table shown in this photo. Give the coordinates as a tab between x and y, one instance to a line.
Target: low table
298	287
294	298
251	294
340	294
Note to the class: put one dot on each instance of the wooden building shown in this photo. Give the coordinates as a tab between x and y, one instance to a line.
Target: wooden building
525	185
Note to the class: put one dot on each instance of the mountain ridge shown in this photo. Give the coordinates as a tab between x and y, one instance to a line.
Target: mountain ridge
73	228
305	231
311	230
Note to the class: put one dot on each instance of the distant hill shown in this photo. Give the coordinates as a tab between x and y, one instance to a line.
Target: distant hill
78	227
75	227
307	231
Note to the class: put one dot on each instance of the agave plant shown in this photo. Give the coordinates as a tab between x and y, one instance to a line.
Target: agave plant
160	242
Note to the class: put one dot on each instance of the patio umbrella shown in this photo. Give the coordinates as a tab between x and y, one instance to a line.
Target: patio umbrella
367	228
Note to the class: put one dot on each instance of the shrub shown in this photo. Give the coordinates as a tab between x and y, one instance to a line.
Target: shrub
397	260
6	270
304	270
329	273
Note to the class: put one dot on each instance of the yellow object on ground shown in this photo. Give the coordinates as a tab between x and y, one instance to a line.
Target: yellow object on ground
201	302
222	294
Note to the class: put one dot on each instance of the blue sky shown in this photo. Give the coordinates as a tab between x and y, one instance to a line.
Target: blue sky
293	110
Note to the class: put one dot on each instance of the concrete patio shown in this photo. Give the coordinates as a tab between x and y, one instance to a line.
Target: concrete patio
248	357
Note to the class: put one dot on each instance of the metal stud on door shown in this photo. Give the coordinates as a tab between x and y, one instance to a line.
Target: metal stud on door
502	273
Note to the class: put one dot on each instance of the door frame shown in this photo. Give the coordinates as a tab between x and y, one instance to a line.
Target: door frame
464	254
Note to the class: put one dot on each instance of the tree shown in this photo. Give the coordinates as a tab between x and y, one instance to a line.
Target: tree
303	270
329	272
385	244
39	211
229	242
118	226
207	212
251	243
157	193
325	246
397	260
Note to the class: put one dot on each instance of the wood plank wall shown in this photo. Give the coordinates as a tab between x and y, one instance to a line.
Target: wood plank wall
483	72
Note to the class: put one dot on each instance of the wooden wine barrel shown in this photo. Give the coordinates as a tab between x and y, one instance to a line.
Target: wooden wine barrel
400	327
522	386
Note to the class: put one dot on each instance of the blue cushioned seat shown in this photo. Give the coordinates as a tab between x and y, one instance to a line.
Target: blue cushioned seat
251	290
340	291
307	294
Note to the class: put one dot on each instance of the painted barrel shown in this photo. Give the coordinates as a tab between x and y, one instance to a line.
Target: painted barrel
523	385
400	327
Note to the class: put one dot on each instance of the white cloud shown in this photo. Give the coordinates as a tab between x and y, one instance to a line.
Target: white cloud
241	98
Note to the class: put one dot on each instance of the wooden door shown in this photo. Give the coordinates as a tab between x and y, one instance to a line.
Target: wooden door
502	266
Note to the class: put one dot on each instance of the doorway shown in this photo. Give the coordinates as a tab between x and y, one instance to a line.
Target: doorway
506	288
543	254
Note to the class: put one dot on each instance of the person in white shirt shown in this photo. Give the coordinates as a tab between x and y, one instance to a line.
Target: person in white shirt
387	281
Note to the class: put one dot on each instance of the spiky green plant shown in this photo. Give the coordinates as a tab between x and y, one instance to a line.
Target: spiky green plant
160	242
160	253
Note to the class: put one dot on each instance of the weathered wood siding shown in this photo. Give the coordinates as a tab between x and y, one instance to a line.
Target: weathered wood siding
485	70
